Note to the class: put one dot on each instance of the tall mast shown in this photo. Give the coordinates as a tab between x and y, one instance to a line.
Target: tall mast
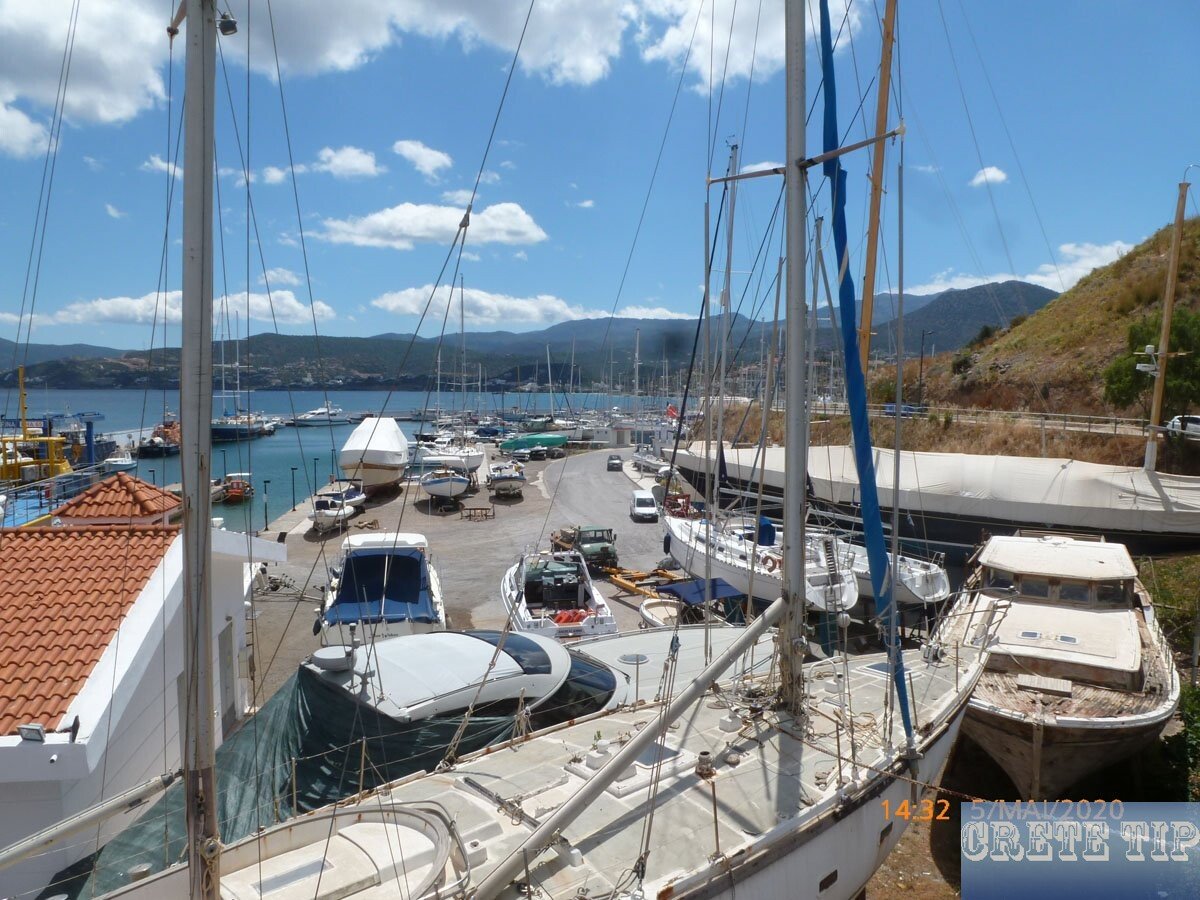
550	382
195	419
637	362
795	381
1164	338
881	111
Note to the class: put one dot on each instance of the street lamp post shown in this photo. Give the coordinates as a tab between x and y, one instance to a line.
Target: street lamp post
921	373
266	484
153	480
316	459
294	488
224	466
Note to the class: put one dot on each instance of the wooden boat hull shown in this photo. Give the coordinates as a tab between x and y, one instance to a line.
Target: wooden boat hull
1064	755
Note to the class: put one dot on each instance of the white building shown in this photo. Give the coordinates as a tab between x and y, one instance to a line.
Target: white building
91	662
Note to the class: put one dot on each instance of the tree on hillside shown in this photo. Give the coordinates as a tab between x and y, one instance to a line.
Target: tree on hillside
1124	386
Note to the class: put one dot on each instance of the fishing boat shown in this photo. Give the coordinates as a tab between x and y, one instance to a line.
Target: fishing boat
376	453
741	552
322	415
445	483
633	801
236	487
383	585
506	479
551	593
1079	675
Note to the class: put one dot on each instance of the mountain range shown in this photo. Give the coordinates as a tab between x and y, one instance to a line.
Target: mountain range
602	349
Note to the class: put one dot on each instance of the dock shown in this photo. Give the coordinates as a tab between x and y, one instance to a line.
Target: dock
472	543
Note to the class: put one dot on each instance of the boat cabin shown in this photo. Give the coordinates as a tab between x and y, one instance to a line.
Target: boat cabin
1075	609
381	578
555	582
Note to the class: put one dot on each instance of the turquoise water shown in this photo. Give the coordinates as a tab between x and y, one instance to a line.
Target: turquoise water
288	466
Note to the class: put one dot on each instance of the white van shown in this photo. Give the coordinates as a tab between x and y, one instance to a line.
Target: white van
642	506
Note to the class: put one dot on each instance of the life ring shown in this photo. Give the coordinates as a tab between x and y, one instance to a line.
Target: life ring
770	563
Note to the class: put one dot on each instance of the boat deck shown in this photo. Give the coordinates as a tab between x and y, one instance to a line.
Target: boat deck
770	769
1086	701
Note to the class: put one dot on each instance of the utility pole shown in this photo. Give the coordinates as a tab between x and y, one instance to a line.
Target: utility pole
921	373
1164	338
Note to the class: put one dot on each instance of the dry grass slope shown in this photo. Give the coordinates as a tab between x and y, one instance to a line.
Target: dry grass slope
1053	360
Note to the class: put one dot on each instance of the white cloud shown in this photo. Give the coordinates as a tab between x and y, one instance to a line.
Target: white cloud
485	308
154	307
928	170
347	162
521	255
280	276
113	212
424	159
92	163
586	204
400	227
470	257
157	164
652	312
988	175
665	27
273	175
460	197
20	136
761	167
489	177
507	164
1075	261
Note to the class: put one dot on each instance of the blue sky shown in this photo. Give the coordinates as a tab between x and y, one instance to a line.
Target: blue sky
390	103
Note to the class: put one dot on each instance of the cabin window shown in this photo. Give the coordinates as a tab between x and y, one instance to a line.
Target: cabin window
528	654
1111	593
1074	592
1035	587
999	579
588	688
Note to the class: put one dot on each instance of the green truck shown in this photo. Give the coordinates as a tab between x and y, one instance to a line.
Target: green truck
597	544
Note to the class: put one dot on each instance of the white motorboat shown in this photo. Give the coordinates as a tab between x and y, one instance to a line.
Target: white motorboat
376	454
447	483
506	479
322	415
348	490
121	461
551	593
384	585
756	569
1079	675
686	603
329	514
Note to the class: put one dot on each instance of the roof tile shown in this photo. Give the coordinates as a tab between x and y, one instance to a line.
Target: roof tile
120	498
66	592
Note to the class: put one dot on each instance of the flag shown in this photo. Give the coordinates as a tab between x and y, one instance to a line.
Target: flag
672	412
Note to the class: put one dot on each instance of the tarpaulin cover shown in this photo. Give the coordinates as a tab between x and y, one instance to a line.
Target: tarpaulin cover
692	592
320	726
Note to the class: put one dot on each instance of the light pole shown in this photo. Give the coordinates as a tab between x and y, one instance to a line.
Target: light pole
224	466
921	373
316	459
266	484
153	481
294	488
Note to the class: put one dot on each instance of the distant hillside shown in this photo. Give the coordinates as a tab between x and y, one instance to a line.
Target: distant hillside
32	354
1054	359
602	349
952	318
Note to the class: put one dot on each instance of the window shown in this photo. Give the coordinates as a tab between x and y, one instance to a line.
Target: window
528	654
1035	587
1074	591
997	578
1112	593
588	688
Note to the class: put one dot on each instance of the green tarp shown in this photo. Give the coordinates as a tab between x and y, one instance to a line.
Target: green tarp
525	441
314	723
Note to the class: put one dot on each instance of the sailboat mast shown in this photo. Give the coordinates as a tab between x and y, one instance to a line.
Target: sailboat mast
1164	338
637	363
795	504
196	370
550	384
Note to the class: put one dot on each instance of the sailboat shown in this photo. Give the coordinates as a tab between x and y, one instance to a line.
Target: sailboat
777	785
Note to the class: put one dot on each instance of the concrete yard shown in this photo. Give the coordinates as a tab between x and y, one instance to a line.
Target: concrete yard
470	556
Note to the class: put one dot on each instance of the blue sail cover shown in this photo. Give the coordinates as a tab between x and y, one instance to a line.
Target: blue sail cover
856	388
692	592
383	585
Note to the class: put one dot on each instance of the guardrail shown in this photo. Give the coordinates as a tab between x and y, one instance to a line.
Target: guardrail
1058	421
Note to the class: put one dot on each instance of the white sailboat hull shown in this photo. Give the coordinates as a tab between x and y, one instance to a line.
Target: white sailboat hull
444	485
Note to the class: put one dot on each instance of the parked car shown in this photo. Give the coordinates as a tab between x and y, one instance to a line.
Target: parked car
906	410
643	506
1188	426
615	463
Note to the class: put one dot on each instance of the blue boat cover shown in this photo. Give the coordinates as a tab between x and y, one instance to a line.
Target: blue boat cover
692	592
365	596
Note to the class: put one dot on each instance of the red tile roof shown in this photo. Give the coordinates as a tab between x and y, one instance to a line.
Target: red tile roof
65	591
121	498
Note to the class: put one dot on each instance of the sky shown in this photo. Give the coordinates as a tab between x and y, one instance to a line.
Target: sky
1042	140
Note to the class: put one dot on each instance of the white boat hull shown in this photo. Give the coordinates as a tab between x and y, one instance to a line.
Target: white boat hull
376	453
598	621
447	486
